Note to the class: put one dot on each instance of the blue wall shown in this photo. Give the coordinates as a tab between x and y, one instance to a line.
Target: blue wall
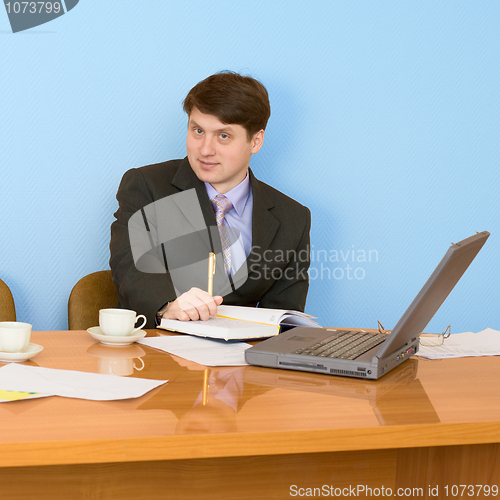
385	122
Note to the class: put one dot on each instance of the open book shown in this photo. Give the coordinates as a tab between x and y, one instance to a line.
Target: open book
239	322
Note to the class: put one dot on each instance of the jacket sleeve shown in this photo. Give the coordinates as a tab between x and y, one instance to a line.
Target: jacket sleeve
142	292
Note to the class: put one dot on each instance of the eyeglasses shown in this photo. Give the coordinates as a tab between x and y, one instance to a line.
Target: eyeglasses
426	339
434	339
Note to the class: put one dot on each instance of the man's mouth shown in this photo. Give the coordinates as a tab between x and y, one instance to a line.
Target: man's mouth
208	164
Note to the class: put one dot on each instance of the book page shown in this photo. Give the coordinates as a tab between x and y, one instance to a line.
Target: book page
223	322
258	314
222	328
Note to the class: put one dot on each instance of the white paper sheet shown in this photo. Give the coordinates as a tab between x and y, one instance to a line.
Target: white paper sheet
458	345
203	351
73	384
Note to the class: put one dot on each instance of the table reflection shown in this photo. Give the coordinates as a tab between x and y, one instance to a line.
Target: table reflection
205	400
210	400
386	396
118	360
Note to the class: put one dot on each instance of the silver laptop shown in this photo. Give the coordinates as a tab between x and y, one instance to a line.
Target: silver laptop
360	354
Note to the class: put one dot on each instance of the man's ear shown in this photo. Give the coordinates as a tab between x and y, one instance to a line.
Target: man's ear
257	141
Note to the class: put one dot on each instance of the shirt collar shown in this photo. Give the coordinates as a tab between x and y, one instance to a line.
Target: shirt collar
238	196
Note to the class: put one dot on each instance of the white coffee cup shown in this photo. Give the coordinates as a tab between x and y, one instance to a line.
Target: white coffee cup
119	322
14	336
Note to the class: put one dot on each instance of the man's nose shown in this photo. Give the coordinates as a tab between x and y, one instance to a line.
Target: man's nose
207	147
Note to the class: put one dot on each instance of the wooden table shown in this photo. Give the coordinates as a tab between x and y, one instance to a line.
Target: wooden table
261	434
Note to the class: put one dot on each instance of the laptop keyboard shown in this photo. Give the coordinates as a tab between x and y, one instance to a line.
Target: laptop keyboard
344	344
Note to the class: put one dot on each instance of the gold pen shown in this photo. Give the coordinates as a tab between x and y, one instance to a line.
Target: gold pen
211	272
204	397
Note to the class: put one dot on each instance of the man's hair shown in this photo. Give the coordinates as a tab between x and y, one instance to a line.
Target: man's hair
233	99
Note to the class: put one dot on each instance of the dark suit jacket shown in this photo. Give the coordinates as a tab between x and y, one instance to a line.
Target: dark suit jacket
277	266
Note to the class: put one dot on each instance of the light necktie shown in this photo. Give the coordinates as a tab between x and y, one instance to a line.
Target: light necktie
222	206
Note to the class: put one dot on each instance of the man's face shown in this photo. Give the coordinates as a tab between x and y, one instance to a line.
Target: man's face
219	153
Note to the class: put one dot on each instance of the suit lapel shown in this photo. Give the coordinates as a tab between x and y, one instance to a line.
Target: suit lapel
186	179
264	228
264	224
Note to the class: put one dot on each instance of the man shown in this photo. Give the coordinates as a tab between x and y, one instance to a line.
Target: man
267	266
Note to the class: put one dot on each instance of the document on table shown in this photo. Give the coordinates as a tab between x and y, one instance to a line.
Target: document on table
458	345
6	396
203	351
73	384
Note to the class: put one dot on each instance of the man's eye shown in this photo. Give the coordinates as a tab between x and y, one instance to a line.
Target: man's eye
198	131
224	136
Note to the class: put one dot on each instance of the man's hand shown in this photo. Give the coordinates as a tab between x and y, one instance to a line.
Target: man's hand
193	305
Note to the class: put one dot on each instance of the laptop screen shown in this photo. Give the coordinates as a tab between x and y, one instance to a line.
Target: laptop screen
441	282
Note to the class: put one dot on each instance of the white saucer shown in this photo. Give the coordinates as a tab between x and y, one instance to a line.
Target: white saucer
30	352
95	332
